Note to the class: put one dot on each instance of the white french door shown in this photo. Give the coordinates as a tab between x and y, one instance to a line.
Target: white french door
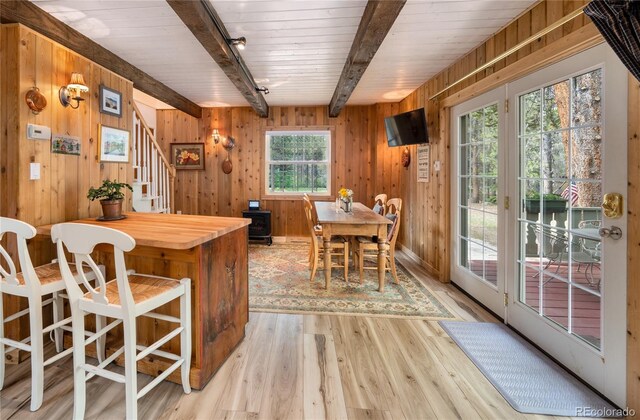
560	148
477	194
568	131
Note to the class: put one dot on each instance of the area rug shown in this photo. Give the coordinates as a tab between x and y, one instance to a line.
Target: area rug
530	381
279	282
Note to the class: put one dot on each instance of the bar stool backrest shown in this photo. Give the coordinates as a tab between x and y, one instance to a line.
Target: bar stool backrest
80	240
22	231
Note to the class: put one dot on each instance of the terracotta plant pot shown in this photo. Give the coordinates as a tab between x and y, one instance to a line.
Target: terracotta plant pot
111	209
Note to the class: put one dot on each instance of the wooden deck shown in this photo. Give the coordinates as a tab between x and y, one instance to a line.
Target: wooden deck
585	304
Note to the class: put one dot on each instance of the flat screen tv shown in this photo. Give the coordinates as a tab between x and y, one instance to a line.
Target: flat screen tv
407	128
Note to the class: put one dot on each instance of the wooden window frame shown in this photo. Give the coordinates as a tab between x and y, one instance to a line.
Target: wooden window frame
265	195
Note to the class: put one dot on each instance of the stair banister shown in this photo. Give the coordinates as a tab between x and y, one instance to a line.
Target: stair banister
154	169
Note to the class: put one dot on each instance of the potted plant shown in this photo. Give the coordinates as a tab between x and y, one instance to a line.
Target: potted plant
552	203
110	195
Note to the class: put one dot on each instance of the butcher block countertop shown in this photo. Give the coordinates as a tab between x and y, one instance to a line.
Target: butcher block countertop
172	231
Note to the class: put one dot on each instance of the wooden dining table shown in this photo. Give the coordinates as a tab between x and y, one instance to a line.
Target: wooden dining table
361	221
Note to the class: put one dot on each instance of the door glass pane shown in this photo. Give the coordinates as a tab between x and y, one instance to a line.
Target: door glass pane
585	314
560	180
478	181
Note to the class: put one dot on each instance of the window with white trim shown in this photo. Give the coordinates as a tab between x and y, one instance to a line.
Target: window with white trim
298	162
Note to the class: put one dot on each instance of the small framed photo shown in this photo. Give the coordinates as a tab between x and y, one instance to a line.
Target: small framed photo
110	101
65	145
187	155
113	144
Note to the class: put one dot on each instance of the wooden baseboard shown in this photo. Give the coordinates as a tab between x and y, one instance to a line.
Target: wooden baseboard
413	256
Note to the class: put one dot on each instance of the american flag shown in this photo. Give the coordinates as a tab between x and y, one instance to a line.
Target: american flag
571	190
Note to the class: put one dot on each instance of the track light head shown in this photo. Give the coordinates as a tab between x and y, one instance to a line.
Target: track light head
239	43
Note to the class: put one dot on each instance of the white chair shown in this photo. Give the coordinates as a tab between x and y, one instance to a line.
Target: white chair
33	283
127	297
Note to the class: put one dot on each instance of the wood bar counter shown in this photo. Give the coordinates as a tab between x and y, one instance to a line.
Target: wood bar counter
213	252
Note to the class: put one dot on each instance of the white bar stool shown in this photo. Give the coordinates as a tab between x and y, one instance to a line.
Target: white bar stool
34	283
127	297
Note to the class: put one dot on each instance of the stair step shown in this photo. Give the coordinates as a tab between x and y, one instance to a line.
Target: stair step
146	197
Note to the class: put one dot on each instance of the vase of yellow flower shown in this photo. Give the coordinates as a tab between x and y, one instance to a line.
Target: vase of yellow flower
346	199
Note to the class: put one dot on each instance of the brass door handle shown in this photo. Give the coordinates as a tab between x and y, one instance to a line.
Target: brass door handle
612	205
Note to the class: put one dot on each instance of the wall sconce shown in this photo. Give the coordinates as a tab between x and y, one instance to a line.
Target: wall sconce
72	91
215	135
239	43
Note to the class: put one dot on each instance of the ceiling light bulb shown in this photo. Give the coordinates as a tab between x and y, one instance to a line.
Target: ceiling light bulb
239	43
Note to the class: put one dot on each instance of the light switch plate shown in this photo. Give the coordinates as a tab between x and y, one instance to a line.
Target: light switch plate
34	171
436	165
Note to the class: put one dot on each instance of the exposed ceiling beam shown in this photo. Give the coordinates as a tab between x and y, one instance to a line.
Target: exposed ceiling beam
377	19
205	24
28	14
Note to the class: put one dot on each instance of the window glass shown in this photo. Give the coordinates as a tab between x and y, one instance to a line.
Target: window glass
298	162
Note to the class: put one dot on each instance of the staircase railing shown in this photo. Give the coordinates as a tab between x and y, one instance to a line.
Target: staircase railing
151	166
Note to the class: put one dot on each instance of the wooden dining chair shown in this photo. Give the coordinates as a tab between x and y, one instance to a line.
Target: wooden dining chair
365	247
317	228
314	216
337	243
380	204
34	283
124	299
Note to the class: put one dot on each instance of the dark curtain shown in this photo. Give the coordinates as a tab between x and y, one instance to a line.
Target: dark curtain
619	23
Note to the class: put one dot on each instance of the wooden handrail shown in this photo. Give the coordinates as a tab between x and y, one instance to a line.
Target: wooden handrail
170	167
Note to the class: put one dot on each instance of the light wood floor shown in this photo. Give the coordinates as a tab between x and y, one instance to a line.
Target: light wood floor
304	366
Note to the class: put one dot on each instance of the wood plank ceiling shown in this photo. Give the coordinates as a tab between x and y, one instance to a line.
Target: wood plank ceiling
428	37
296	48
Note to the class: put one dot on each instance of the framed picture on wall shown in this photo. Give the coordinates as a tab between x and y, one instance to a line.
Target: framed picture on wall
65	145
110	101
423	163
187	155
113	144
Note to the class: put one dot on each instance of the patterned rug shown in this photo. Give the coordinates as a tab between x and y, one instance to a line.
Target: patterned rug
279	282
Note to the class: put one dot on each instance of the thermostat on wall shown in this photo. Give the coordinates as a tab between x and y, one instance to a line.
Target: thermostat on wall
38	132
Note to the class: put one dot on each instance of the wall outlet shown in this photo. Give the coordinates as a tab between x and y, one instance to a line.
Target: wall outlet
34	171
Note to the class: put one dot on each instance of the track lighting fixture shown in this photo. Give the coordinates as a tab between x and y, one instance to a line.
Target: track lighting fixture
239	43
262	89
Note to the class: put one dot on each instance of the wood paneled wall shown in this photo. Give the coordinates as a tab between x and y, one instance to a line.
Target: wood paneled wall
28	59
211	192
633	245
425	227
60	194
